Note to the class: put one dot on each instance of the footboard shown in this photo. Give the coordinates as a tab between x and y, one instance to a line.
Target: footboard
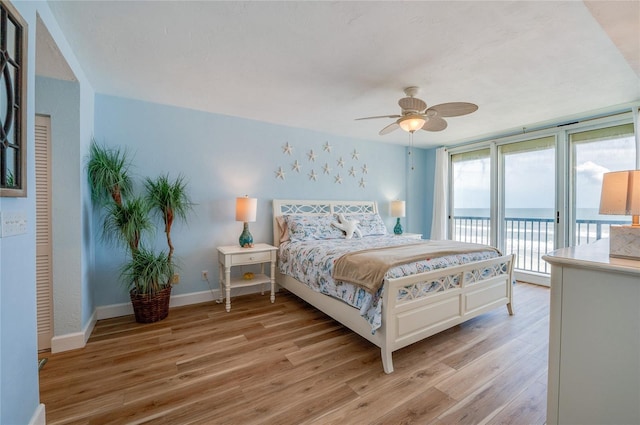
413	309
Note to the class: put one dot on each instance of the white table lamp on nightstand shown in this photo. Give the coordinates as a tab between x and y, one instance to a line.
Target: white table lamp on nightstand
398	210
246	209
621	195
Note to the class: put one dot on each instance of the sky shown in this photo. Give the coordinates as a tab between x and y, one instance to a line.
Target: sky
530	175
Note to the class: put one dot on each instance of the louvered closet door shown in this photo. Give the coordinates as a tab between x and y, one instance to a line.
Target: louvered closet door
44	275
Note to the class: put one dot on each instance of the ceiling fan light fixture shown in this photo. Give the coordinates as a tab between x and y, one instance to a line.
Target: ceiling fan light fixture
414	114
411	123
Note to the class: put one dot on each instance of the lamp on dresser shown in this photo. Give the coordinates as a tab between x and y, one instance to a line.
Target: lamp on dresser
246	209
398	210
621	196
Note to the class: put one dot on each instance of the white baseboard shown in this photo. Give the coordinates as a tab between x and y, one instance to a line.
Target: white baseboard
77	340
113	310
125	309
531	277
39	416
74	340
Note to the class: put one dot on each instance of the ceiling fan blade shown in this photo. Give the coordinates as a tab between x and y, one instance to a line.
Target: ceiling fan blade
454	109
379	116
388	129
434	124
412	104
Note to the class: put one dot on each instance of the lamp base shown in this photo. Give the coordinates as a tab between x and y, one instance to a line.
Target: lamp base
246	240
624	242
398	227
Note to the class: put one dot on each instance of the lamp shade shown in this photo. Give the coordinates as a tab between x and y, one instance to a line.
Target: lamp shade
398	209
411	123
246	209
620	193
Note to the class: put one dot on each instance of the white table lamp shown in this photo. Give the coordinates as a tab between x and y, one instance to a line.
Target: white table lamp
398	209
246	209
621	196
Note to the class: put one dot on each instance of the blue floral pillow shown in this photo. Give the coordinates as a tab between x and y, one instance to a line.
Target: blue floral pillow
312	227
369	224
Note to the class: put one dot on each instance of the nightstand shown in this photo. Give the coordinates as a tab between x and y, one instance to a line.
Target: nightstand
235	255
410	235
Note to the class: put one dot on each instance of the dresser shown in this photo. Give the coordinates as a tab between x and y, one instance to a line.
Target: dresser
594	337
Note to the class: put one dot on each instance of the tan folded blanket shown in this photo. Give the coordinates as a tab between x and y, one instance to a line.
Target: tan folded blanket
367	268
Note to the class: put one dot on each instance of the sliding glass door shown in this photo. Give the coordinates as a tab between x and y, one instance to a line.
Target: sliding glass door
594	153
515	210
471	194
528	182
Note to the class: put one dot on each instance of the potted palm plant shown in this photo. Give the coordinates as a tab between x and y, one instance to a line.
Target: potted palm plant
147	274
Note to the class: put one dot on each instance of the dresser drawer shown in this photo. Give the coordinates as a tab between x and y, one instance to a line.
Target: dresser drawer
250	257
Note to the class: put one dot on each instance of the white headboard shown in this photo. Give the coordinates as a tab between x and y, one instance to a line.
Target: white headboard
304	207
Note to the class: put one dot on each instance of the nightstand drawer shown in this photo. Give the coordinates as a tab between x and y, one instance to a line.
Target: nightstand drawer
250	257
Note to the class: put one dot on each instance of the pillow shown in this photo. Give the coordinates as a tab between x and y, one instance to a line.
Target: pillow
369	223
283	229
311	227
349	227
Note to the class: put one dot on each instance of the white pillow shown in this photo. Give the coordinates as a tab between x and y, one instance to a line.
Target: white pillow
369	223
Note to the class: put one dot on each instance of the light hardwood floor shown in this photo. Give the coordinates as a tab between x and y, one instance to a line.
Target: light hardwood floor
287	363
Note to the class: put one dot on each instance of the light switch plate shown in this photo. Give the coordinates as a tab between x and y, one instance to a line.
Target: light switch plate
13	223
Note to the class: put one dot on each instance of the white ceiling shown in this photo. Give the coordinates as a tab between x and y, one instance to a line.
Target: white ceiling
320	65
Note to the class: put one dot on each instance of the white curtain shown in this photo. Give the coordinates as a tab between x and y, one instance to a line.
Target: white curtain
440	191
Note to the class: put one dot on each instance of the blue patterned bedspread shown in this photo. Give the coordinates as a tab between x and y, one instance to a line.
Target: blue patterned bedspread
311	262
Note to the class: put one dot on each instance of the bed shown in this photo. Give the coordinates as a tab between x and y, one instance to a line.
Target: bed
414	301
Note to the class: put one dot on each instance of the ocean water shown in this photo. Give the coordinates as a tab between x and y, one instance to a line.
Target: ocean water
549	213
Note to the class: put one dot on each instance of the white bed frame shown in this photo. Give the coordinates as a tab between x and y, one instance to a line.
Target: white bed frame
406	320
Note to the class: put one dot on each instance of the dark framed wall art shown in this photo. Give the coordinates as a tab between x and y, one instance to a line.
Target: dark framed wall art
13	97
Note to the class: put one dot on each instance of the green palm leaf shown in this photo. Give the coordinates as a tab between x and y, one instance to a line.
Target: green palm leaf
108	170
169	199
126	223
147	272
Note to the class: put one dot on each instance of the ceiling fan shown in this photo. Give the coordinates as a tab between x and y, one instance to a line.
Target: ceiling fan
415	115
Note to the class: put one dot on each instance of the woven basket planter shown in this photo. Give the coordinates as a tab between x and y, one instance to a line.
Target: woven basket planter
151	308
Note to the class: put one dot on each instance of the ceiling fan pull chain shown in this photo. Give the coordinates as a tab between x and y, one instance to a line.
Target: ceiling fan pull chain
411	149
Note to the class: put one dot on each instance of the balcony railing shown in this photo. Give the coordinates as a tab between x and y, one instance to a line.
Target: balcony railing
528	238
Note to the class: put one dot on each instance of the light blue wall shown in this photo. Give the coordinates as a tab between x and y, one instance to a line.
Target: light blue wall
19	394
71	106
18	342
61	101
72	223
224	157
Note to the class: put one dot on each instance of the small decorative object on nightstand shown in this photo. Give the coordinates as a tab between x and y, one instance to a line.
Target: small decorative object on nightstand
246	209
621	195
397	210
230	256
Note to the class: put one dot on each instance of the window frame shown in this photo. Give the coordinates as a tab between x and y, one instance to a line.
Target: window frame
19	119
564	195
